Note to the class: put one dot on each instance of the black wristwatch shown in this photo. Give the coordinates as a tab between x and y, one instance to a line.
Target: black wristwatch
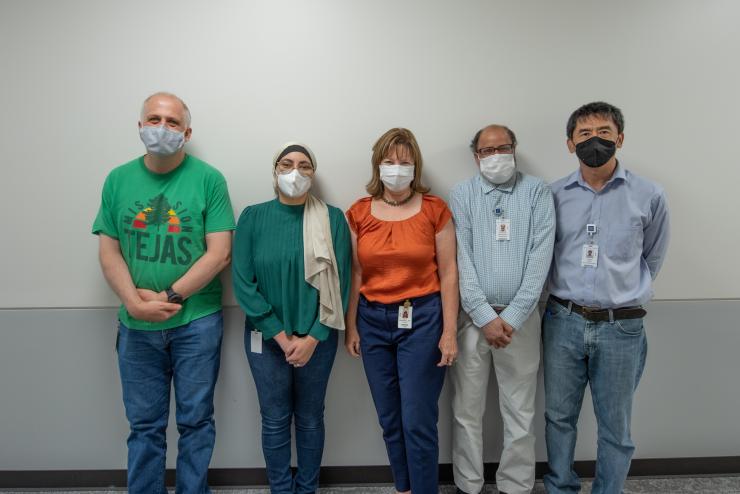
173	297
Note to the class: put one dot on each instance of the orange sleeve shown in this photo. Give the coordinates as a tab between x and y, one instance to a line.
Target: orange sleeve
441	214
357	213
351	221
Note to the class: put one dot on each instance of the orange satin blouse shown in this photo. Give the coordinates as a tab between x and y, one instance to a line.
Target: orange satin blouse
398	258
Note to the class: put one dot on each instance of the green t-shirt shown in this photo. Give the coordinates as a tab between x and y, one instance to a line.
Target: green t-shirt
161	221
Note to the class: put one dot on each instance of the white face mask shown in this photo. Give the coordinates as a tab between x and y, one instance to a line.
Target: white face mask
293	184
161	140
397	177
498	168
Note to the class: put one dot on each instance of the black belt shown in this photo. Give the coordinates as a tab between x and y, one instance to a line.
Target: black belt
597	314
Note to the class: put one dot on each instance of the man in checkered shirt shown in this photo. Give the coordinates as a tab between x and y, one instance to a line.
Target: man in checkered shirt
505	225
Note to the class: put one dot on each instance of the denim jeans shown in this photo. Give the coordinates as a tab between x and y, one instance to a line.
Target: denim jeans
285	392
188	355
405	382
610	357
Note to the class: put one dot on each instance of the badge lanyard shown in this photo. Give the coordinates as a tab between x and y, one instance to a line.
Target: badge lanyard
405	315
256	342
503	225
590	253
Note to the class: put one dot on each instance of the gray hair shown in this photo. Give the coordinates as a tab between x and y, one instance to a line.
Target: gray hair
169	95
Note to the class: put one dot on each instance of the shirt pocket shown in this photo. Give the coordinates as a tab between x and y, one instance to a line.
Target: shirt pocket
624	242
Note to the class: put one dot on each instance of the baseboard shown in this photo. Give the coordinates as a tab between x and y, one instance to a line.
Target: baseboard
655	467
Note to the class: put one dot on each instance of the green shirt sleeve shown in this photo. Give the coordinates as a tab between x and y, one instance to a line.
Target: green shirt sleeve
104	221
219	213
258	311
342	251
318	330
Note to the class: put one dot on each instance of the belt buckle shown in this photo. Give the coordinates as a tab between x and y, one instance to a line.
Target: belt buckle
591	313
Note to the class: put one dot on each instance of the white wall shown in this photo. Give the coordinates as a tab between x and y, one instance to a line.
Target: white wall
336	74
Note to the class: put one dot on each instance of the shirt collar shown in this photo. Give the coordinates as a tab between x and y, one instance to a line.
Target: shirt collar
577	178
487	186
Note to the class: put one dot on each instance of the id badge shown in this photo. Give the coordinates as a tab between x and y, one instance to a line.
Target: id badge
405	316
256	342
503	229
590	256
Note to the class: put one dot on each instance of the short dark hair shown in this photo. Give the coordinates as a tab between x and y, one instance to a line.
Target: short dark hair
476	138
598	108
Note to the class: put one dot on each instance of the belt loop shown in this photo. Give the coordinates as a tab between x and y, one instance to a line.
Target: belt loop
611	316
570	306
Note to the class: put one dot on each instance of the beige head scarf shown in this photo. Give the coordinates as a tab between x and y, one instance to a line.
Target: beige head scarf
319	261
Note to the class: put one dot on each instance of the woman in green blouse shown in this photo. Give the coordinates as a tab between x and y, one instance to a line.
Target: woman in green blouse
291	272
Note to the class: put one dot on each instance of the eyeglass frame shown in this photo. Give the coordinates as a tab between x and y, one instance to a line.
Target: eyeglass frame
304	167
496	150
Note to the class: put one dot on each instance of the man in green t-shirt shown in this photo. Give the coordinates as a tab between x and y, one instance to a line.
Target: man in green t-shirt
164	227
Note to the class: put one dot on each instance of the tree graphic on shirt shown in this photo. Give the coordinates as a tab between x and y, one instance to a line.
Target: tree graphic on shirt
159	213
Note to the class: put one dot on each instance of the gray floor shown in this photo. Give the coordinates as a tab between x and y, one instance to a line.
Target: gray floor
673	485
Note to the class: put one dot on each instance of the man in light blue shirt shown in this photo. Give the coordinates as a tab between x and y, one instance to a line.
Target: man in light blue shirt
505	227
612	236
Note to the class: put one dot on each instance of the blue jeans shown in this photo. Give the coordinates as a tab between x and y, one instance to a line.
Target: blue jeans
285	392
149	361
405	382
610	357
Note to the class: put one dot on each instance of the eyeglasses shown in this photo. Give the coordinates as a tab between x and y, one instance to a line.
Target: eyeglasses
304	167
503	149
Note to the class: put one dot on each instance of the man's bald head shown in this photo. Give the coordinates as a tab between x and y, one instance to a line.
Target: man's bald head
164	97
494	127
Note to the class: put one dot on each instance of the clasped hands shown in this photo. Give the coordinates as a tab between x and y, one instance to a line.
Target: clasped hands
153	306
298	350
498	333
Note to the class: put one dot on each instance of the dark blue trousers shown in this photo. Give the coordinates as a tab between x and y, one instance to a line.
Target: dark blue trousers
405	382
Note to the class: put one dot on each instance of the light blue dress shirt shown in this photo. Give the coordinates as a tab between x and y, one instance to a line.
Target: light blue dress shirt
511	272
632	230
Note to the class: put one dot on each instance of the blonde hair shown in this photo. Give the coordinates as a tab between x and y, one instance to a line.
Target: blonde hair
385	145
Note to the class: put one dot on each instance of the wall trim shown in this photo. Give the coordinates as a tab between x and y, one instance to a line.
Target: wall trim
339	475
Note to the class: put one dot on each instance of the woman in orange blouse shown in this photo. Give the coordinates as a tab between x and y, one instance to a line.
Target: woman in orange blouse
403	305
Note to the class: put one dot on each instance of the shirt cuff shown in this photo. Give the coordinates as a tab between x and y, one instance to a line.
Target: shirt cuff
319	331
269	326
514	317
482	315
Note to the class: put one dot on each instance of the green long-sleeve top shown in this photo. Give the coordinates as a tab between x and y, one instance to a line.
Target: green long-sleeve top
268	272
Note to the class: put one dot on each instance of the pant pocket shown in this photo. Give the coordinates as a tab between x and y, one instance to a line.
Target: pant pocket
629	327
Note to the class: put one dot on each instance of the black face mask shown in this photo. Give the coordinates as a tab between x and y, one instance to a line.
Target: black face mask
596	151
